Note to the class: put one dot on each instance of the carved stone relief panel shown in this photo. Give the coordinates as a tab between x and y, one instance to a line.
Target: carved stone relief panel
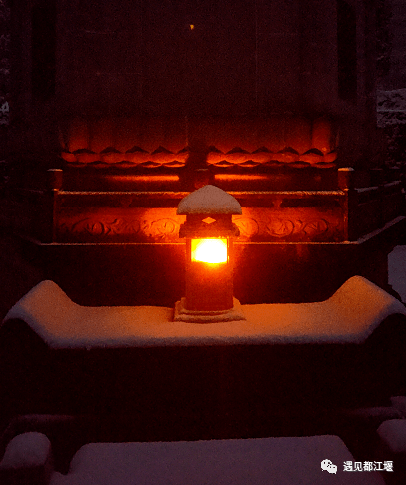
110	224
291	224
141	224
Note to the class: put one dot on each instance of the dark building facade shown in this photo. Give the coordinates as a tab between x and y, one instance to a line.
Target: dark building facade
134	104
185	65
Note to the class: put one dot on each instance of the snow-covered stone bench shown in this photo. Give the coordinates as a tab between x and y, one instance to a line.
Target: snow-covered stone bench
27	460
349	316
392	446
137	361
287	460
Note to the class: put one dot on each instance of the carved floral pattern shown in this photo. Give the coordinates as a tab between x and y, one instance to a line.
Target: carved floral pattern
256	224
105	228
280	227
102	227
247	225
161	228
316	227
283	228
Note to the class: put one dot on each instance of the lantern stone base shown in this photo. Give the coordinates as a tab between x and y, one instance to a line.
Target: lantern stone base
194	316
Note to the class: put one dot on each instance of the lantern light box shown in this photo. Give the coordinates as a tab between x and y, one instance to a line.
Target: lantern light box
209	250
209	233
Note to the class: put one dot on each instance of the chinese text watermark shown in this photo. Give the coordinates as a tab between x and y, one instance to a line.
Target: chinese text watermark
358	466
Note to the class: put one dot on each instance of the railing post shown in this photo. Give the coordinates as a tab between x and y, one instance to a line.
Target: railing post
346	184
54	185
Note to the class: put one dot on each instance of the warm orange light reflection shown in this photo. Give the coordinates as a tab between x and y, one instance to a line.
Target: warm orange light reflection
234	177
144	178
209	250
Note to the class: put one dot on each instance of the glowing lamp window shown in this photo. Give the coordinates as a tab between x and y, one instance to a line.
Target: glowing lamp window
211	250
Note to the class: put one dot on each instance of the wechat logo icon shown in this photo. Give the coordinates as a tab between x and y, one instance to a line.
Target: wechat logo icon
328	466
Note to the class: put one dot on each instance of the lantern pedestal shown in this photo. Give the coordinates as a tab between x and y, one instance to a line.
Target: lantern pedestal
182	314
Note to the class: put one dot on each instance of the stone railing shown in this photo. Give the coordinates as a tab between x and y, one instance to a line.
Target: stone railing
360	204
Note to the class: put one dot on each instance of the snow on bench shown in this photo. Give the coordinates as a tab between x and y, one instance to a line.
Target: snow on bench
348	316
284	460
27	460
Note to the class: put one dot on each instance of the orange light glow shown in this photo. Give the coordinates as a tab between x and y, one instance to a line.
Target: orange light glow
209	250
191	26
234	177
144	178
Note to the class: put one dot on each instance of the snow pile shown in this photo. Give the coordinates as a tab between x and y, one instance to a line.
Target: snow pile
26	450
287	460
391	107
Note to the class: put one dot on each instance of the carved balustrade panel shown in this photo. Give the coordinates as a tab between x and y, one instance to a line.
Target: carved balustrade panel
110	225
278	220
290	225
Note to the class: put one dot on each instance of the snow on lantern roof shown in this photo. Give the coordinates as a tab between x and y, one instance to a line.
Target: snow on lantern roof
209	200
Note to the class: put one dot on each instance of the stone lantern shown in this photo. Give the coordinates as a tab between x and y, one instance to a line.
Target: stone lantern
209	233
